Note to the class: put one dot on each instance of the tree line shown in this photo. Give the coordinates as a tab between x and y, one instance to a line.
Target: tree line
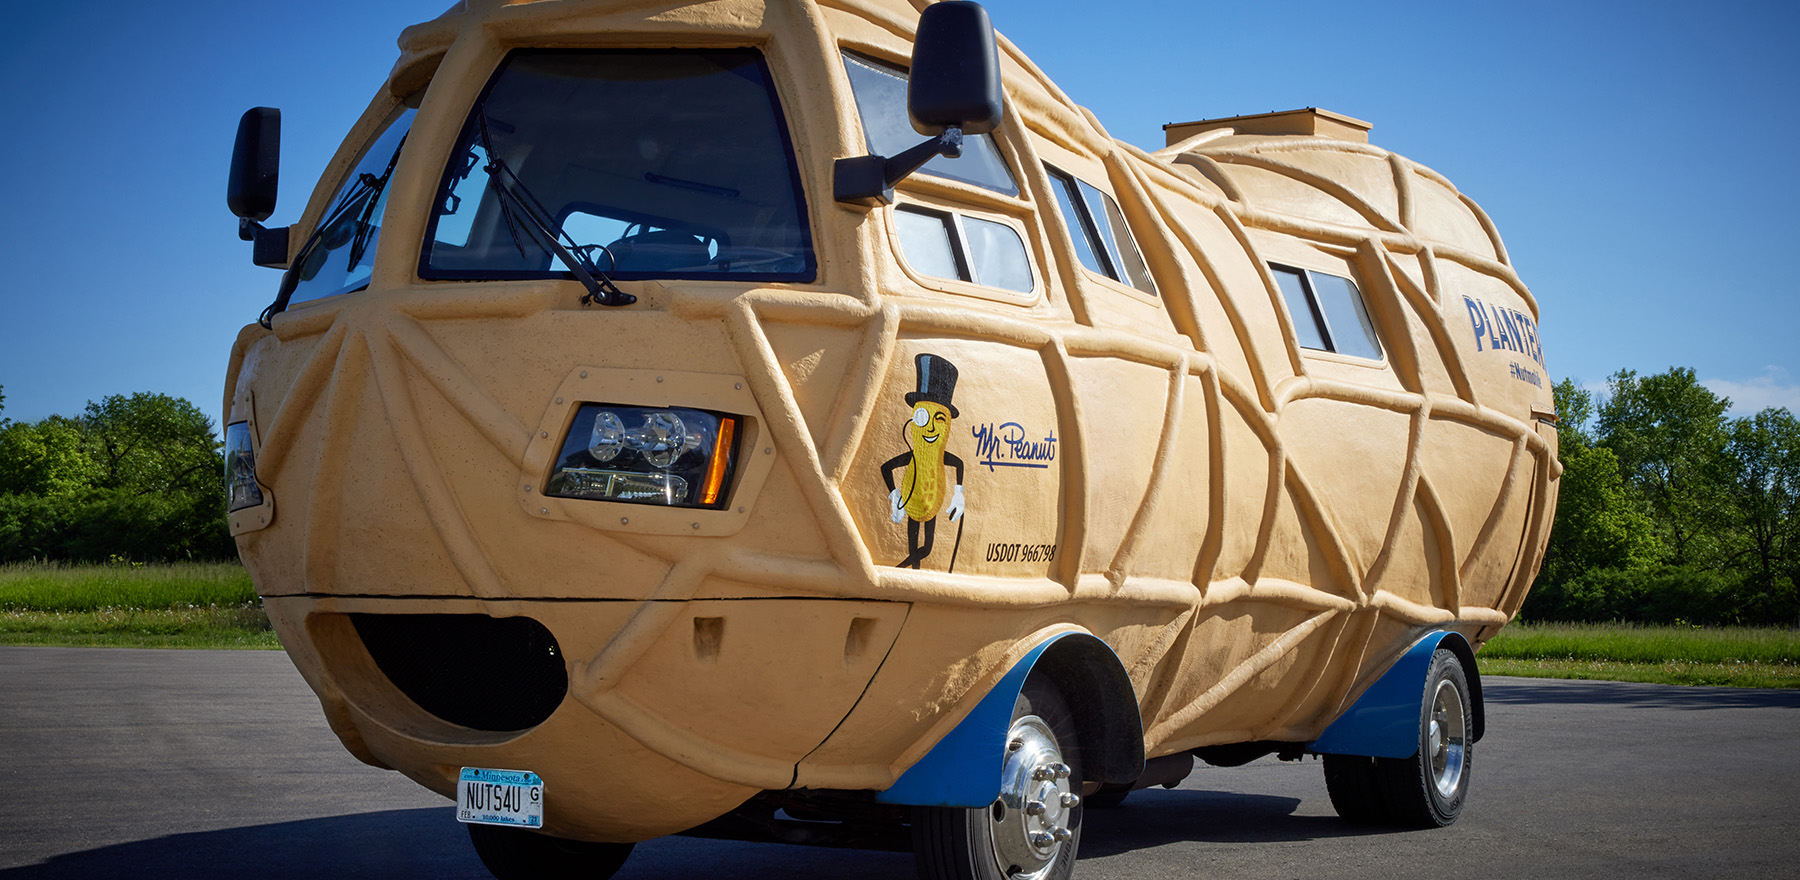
1670	511
137	477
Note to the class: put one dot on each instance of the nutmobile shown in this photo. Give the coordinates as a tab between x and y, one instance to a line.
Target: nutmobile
797	420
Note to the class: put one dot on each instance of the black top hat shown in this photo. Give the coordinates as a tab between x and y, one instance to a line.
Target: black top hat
937	382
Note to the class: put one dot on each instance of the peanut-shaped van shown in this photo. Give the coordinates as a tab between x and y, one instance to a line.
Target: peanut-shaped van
798	420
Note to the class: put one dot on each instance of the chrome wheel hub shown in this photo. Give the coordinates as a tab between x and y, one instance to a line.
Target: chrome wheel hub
1029	822
1446	739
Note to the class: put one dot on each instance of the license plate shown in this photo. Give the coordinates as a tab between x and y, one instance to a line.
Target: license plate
500	797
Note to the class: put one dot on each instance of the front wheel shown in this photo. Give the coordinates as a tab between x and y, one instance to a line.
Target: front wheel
1029	832
517	854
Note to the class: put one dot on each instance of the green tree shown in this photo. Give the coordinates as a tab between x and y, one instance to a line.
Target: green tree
1763	456
1601	524
153	443
1669	433
44	459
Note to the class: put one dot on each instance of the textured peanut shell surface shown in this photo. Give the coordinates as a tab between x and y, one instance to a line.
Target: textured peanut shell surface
1256	528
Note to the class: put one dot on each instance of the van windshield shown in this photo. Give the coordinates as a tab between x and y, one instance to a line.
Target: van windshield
341	252
655	163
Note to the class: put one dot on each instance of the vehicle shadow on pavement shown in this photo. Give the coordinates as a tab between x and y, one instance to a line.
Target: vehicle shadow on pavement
1155	817
428	843
401	844
424	844
1618	693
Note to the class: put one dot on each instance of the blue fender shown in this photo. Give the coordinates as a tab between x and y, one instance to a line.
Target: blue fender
1384	721
963	769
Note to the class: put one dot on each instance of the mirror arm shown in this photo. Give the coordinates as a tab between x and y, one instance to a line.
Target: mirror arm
869	180
269	247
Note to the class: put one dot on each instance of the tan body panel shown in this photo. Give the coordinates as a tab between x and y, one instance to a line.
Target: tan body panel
1257	529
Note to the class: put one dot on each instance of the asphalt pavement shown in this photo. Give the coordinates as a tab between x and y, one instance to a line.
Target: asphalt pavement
215	764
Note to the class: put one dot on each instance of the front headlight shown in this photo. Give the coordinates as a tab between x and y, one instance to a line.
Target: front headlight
670	456
240	469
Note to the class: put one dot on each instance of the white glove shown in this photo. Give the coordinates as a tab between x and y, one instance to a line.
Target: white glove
956	503
896	512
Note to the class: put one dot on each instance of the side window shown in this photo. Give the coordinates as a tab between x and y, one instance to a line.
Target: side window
952	245
1328	312
341	253
881	101
1102	240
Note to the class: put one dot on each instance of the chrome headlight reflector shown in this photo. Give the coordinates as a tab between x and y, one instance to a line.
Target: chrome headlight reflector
670	456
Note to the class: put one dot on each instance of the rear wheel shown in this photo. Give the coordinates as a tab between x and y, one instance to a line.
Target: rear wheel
517	854
1428	789
1031	831
1354	783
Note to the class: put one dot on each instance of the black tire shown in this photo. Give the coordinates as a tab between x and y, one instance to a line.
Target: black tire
1428	789
1354	784
517	854
1107	798
994	842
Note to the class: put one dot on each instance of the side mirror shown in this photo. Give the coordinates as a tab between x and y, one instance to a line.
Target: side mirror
255	178
955	79
255	164
952	90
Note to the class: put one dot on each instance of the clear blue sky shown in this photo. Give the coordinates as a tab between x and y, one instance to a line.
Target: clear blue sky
1639	159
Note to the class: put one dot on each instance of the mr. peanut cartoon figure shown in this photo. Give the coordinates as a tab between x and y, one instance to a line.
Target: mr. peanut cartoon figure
920	495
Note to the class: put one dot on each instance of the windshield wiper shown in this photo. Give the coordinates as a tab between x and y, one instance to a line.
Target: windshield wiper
366	188
364	195
523	205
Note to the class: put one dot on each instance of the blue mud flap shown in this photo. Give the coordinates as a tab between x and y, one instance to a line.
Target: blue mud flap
1384	721
963	769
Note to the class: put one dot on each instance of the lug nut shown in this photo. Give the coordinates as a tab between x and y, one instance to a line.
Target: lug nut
1042	840
1062	835
1035	808
1071	799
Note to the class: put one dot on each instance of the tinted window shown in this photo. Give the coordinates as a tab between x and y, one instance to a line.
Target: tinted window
341	252
1103	242
656	163
1300	308
1328	312
927	241
998	255
954	245
1345	316
881	101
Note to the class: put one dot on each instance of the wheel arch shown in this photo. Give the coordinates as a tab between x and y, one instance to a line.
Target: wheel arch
963	769
1384	721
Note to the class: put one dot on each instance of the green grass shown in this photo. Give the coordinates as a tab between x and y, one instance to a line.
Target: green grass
61	587
1733	656
181	605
